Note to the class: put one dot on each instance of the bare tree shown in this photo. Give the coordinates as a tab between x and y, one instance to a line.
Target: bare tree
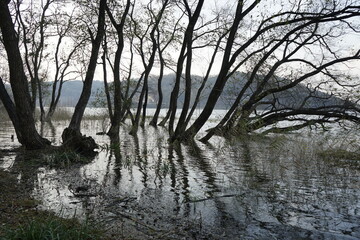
165	38
25	124
280	64
106	85
185	54
119	27
34	35
64	56
271	47
72	135
148	64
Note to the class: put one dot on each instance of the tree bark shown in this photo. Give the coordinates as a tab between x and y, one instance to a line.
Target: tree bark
221	79
148	67
116	118
27	133
72	135
106	85
186	46
10	108
154	120
181	125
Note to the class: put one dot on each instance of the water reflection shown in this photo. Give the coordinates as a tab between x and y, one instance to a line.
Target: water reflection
141	157
116	153
243	189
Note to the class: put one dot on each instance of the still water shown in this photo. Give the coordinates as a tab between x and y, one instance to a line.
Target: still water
274	187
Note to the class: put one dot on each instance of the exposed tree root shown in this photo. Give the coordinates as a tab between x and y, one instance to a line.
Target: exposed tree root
80	143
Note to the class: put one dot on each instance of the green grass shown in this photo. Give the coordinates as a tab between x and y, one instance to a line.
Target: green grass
64	159
53	228
20	220
340	154
59	157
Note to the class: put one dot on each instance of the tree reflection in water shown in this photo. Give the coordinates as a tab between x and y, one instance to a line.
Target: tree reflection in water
227	189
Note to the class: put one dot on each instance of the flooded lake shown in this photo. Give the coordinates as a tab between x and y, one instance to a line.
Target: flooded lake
274	187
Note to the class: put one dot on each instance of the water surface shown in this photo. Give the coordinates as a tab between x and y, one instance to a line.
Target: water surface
274	187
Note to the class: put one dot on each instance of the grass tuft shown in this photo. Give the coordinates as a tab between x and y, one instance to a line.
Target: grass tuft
20	220
340	154
65	159
53	228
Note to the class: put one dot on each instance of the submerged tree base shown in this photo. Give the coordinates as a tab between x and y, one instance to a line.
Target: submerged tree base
80	143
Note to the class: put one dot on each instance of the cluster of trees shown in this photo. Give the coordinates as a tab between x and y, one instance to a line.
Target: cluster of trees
278	44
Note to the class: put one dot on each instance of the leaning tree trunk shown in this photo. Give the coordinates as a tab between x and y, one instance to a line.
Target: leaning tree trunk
221	79
10	108
106	86
25	129
72	136
187	45
116	117
155	118
41	102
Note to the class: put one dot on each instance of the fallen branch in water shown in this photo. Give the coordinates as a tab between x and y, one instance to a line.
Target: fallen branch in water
215	197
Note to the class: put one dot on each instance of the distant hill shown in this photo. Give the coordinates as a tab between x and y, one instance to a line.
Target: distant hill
291	98
72	89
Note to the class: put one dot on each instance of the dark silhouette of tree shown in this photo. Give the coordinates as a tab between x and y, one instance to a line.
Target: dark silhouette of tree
33	57
275	43
25	124
165	39
106	85
185	53
148	65
279	64
221	79
72	135
119	27
9	106
65	28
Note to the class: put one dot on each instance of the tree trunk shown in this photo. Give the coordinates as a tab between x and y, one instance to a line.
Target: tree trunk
220	82
72	136
41	102
181	125
154	120
27	134
10	108
116	118
106	85
187	45
54	104
145	90
166	118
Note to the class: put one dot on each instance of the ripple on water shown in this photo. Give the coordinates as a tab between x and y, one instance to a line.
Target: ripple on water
222	190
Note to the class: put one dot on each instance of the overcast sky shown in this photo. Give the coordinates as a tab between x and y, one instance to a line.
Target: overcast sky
202	58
